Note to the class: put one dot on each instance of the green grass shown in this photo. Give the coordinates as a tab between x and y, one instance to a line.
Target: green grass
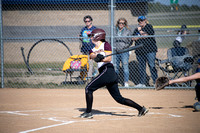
12	84
35	65
14	71
20	70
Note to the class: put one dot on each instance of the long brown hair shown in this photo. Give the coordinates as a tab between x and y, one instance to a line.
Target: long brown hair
125	22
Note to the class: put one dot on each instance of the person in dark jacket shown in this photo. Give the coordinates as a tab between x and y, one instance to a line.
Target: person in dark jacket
146	54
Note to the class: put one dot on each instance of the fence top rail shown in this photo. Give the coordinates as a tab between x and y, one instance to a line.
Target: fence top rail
68	1
39	38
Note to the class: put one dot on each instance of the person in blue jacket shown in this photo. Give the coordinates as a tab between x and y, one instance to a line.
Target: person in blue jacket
87	44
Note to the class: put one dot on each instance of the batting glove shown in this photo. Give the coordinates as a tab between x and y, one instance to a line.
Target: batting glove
99	58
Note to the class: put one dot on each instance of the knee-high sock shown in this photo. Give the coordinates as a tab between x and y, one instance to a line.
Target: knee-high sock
131	103
89	101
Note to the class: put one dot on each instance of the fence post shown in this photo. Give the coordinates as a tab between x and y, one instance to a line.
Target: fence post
2	49
112	24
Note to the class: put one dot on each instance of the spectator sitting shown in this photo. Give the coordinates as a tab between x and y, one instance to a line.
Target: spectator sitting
179	57
181	32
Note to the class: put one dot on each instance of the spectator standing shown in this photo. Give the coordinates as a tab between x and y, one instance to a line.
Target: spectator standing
87	44
146	54
122	29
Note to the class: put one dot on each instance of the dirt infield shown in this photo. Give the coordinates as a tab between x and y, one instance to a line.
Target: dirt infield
57	111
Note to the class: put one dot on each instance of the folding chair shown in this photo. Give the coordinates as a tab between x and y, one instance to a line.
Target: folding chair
179	63
76	63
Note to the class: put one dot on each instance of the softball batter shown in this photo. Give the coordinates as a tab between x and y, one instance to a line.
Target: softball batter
107	76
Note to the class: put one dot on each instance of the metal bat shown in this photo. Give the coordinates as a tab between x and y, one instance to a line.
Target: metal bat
126	50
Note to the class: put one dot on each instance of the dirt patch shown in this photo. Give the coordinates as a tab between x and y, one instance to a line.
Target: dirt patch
57	110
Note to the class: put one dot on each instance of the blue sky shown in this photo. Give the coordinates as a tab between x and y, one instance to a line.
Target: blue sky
181	2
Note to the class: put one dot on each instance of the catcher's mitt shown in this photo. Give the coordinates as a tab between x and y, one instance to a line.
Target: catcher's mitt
161	82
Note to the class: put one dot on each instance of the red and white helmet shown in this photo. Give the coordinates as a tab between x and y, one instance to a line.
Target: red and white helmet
98	34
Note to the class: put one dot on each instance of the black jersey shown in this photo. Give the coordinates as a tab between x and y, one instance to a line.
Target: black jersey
149	42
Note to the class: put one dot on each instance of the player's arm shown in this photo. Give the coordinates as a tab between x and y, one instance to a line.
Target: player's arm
106	59
185	79
109	58
93	55
108	51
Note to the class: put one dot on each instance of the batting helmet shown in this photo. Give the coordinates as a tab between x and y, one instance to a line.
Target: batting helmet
98	34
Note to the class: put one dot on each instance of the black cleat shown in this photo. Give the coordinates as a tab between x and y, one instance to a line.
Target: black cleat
143	111
86	115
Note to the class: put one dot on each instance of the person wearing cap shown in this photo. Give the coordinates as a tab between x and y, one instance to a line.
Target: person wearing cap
146	54
183	31
195	76
87	44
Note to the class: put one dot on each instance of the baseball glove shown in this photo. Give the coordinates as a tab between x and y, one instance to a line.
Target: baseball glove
161	82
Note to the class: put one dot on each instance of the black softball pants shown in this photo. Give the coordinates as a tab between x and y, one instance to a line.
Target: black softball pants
107	77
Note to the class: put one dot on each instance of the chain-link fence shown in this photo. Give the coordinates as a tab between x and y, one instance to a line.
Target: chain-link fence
39	36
